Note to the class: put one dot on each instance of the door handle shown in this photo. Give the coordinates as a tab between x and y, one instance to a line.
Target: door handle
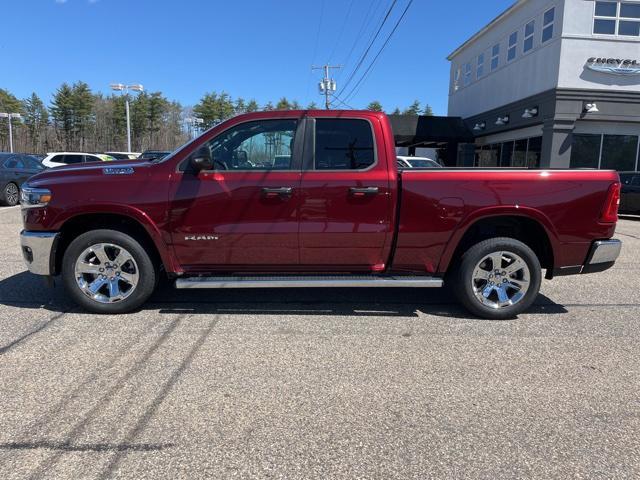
363	191
272	192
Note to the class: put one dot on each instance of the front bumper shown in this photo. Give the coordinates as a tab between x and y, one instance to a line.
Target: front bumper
603	255
38	251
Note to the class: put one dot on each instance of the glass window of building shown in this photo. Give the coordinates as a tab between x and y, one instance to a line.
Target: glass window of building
480	68
467	74
529	31
619	152
520	154
487	156
534	152
495	57
513	44
547	24
585	151
629	19
507	154
621	18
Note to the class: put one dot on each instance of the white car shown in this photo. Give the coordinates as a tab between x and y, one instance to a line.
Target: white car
124	155
416	162
59	159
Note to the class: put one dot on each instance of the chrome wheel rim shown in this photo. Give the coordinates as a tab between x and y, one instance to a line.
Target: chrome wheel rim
106	273
12	194
500	280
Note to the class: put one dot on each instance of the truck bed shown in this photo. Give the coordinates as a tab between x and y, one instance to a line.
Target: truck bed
438	205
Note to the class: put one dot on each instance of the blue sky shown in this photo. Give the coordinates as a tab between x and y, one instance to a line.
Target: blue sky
260	49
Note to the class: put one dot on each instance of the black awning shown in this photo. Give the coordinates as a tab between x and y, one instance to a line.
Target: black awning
429	131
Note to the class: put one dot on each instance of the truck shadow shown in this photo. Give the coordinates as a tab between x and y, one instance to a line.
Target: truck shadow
24	290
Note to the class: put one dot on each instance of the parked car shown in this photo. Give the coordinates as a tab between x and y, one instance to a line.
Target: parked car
123	155
60	159
630	199
15	169
417	162
220	213
153	154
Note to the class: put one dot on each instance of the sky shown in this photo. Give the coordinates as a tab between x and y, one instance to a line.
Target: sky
260	49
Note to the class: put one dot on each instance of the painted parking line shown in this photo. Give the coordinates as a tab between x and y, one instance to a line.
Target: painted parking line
8	209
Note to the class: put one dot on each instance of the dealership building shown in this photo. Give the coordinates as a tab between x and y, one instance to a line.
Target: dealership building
551	84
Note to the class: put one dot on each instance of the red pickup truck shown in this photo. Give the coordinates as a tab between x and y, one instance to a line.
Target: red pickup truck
313	199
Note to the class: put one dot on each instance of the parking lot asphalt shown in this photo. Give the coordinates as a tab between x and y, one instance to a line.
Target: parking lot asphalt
394	383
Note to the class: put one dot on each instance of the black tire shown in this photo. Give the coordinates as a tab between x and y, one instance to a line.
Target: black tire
10	195
147	271
463	285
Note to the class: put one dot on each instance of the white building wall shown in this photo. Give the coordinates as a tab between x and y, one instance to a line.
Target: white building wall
579	44
530	73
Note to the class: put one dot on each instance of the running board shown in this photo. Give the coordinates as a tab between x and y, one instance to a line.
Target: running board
309	281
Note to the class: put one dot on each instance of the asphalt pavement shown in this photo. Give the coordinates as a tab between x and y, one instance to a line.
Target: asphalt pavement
320	384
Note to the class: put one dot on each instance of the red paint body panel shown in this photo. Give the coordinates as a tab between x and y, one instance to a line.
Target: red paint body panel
252	231
340	231
321	227
439	206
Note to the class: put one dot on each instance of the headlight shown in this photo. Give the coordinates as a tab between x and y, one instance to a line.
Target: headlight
34	197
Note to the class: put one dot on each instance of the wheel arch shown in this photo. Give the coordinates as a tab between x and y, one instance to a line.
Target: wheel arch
122	222
529	226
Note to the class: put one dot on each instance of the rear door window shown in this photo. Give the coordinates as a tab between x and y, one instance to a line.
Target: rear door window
70	159
14	162
343	144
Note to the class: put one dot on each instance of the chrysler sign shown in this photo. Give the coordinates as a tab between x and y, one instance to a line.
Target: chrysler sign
614	66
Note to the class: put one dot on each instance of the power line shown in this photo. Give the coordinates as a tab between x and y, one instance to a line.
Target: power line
353	89
342	103
365	23
315	48
366	52
366	20
344	24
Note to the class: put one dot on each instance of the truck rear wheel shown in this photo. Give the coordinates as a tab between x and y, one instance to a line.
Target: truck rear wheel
107	271
498	278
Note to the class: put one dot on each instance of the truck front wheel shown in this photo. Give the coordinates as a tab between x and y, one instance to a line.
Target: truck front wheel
107	271
498	278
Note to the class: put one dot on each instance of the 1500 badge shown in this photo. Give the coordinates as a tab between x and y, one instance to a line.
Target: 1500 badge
200	237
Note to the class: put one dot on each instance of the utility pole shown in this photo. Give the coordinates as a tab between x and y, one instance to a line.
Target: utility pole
120	87
9	116
327	85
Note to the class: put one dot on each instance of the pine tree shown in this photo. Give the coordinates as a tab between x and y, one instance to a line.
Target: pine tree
36	118
428	110
240	106
214	108
62	113
312	106
82	113
283	104
8	104
158	107
375	106
252	106
414	109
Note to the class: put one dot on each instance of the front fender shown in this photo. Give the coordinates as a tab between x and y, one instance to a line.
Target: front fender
157	235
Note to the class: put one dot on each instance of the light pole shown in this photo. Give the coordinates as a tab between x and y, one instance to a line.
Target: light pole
9	116
121	87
